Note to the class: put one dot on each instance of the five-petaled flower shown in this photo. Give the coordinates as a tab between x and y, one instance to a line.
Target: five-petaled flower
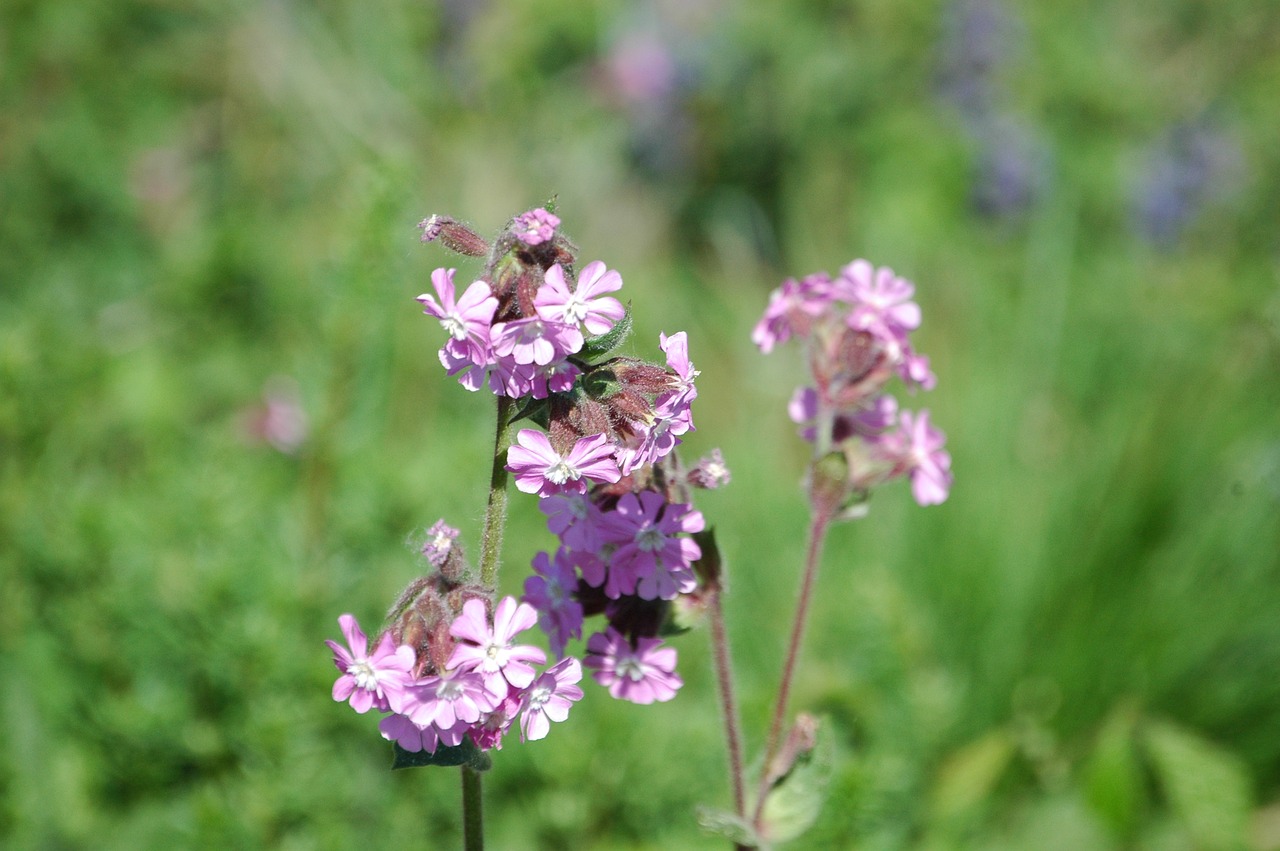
540	469
376	680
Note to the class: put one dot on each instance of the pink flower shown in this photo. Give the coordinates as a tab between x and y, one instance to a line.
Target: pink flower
676	348
549	698
540	469
535	227
408	735
471	374
493	727
710	472
489	651
792	308
574	519
439	542
378	681
918	446
550	591
584	305
671	418
881	303
467	319
535	340
650	556
641	674
457	699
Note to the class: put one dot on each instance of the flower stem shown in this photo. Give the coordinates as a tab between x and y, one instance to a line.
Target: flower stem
724	677
472	810
495	521
817	535
495	516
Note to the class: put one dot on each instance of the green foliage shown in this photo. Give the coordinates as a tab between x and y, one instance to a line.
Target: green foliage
1207	788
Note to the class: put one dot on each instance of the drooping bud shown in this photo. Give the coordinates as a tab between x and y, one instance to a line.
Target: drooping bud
453	235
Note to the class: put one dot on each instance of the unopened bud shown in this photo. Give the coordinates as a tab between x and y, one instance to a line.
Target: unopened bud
828	485
453	235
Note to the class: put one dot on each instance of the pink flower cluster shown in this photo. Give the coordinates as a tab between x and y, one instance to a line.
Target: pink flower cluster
487	683
604	468
857	326
624	542
519	327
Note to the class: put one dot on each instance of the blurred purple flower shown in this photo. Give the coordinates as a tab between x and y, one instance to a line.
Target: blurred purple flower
1184	171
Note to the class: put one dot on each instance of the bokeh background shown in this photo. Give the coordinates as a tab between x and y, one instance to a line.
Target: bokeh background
221	415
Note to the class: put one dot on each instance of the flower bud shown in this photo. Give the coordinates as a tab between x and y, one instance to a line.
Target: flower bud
828	485
453	235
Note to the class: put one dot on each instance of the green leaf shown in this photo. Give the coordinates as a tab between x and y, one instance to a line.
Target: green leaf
599	383
794	802
969	775
730	826
1207	787
537	410
1112	779
598	347
464	754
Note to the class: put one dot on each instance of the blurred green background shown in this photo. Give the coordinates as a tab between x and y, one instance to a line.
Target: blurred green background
204	205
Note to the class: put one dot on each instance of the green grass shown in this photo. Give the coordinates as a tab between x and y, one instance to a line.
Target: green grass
195	197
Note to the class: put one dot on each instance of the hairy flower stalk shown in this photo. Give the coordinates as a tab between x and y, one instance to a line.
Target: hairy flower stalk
857	327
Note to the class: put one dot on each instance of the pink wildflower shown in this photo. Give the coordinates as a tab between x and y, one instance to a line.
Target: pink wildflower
792	309
881	303
489	650
918	446
650	555
540	469
449	701
549	698
535	227
535	340
439	542
710	472
676	348
408	735
550	591
370	681
641	674
574	519
467	319
585	305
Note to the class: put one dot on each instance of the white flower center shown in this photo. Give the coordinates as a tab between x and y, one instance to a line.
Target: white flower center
538	695
366	675
561	472
630	668
575	309
455	326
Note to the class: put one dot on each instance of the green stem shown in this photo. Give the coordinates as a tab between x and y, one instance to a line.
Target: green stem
472	810
817	534
495	516
724	677
495	521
